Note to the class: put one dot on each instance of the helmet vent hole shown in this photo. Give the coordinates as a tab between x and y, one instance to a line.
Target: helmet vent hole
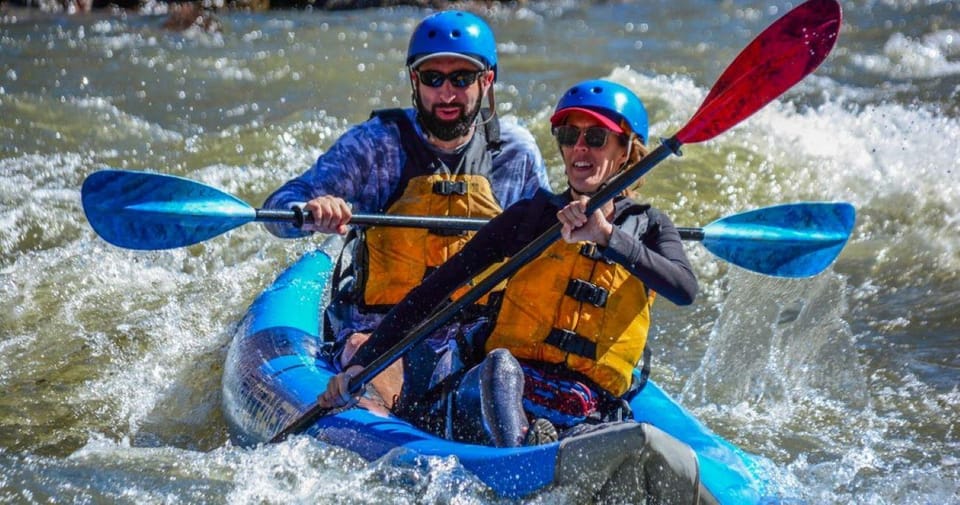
455	34
596	90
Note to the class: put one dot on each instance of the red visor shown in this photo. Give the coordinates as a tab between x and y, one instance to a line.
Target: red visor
557	118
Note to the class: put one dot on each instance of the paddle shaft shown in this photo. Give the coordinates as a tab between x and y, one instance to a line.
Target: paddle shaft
431	222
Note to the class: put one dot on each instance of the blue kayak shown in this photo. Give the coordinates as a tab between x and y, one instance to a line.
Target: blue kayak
275	370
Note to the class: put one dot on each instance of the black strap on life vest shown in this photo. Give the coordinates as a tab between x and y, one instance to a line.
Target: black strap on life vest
583	291
491	130
447	188
569	341
644	370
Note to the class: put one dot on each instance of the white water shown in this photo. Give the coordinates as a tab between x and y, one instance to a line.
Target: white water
110	359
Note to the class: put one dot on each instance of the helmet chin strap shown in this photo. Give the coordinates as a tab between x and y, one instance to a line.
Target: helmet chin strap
629	149
493	106
414	94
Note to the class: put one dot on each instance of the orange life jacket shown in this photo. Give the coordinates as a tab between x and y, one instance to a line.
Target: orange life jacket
394	260
570	306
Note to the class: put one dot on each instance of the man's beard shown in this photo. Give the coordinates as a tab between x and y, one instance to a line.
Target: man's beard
447	130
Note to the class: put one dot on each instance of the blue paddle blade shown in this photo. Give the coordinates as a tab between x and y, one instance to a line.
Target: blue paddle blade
792	240
139	210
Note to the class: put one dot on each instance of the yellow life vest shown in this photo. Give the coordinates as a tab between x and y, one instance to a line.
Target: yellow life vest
574	308
399	258
394	260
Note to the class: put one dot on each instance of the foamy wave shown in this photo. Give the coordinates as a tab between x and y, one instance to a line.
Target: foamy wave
40	199
123	124
933	55
874	152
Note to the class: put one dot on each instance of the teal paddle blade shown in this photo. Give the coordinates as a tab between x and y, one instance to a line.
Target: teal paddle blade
139	210
792	240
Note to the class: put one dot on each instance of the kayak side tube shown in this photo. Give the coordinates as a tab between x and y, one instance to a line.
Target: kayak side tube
274	372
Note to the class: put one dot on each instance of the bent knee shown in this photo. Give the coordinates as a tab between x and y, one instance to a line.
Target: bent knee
502	359
502	366
351	345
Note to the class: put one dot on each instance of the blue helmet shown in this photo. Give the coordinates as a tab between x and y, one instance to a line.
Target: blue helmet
610	103
453	33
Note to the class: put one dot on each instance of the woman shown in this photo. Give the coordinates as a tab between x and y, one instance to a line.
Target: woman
572	324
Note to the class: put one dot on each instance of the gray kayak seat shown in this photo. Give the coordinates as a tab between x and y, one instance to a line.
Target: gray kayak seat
631	463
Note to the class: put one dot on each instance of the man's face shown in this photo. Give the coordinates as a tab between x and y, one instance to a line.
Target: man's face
448	110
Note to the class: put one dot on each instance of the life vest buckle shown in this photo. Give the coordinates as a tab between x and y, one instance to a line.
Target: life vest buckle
584	291
572	343
447	188
590	250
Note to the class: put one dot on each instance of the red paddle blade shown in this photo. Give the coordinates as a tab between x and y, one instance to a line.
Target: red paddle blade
778	58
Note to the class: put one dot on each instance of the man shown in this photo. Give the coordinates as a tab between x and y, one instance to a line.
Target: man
442	157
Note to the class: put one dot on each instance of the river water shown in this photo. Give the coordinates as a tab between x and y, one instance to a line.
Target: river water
110	359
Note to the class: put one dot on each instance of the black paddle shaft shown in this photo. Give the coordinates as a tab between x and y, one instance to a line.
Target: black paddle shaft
298	218
430	222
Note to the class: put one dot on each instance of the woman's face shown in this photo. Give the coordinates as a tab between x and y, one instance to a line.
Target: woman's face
587	168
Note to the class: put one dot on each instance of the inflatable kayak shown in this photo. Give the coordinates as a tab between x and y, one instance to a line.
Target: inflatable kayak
275	369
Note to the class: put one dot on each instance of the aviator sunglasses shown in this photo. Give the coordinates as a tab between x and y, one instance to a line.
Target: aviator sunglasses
458	78
594	136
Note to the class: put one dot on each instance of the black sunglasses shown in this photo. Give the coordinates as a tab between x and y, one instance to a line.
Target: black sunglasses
459	78
594	136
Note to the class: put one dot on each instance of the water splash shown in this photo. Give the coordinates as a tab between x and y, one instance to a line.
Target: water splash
773	350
